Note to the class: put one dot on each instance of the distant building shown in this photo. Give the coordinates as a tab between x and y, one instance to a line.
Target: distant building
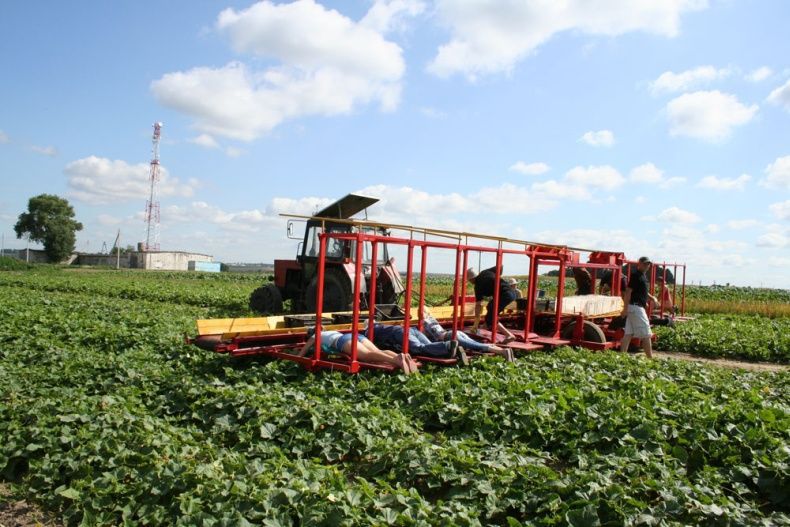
154	260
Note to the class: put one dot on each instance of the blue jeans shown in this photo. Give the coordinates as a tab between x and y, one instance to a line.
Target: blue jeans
468	342
391	337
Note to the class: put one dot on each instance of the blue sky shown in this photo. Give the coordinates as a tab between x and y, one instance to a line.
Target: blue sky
651	127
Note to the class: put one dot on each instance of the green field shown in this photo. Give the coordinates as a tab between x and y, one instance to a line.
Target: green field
107	418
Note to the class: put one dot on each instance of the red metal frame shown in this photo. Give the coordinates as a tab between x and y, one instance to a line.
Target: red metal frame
274	345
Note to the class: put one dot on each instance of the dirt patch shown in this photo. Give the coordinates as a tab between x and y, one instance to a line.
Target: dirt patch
19	513
723	363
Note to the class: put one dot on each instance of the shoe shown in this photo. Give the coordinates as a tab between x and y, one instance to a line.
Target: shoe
461	358
452	348
509	356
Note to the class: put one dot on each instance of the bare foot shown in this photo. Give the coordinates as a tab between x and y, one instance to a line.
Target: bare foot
403	362
495	349
509	339
413	364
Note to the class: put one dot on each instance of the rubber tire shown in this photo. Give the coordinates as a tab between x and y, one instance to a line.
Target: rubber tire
387	294
337	292
591	332
267	300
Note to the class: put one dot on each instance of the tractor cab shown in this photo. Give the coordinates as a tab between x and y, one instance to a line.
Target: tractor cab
297	280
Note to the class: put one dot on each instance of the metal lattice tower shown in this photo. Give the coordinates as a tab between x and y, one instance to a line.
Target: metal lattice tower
152	205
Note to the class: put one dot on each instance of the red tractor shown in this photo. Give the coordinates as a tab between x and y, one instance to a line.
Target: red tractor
296	280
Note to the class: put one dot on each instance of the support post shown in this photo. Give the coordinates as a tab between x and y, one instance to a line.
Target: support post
423	272
407	300
374	271
683	293
319	297
355	316
464	267
560	296
456	291
497	277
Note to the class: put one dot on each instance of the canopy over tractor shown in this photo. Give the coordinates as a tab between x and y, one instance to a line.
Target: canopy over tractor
297	280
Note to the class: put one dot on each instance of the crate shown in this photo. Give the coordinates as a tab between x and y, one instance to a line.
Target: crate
301	321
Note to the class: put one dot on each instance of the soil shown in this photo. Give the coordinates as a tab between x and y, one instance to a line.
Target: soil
19	513
723	363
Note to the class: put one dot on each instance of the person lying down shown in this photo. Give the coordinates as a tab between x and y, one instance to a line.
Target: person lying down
436	333
337	343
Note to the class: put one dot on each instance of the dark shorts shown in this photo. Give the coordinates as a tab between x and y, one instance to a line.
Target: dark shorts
504	300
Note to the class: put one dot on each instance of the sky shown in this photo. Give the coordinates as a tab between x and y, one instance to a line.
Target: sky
655	127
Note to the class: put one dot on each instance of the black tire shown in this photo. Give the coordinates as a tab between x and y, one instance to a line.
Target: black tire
337	292
267	300
591	332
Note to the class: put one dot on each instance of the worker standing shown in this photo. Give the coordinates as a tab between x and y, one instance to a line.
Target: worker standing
484	288
635	301
584	281
514	286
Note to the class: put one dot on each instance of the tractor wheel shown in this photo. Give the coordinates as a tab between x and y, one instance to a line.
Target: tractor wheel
591	332
267	300
337	292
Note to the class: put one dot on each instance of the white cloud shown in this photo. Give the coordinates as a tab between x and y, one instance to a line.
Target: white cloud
108	220
781	96
649	173
432	113
328	65
674	215
777	174
717	183
205	140
742	224
233	151
707	115
671	82
49	151
598	138
640	199
773	239
558	190
491	37
388	15
4	137
529	169
98	180
712	228
781	210
760	74
604	176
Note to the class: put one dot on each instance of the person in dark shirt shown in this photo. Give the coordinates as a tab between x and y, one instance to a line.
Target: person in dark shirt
584	281
484	284
635	299
605	286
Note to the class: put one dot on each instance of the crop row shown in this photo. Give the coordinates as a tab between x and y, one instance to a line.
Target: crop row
107	418
754	337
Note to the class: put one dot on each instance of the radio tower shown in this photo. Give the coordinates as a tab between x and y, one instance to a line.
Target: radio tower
152	205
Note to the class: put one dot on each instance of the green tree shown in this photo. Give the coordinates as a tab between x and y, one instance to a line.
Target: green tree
50	221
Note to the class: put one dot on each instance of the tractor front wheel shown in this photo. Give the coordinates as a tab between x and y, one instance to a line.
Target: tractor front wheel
267	300
337	292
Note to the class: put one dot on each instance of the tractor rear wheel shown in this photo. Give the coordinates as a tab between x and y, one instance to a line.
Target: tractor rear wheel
337	292
591	332
267	300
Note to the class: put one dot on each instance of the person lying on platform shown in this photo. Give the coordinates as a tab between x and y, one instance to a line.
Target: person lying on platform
484	288
391	337
436	333
584	281
337	343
